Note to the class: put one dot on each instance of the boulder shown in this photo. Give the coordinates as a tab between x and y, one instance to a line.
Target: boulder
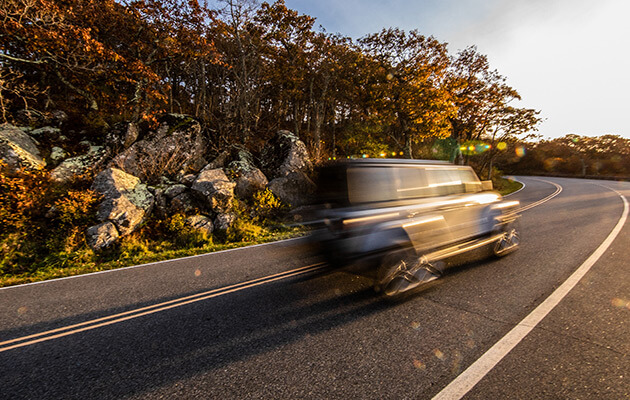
285	153
184	203
216	188
127	203
175	190
249	183
59	117
18	150
160	207
31	118
57	155
222	222
102	235
295	189
121	136
200	223
74	167
218	162
176	146
46	133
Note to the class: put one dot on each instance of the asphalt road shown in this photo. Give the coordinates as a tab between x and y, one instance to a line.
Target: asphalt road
251	324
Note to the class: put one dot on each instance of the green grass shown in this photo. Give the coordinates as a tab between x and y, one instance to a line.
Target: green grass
132	251
506	186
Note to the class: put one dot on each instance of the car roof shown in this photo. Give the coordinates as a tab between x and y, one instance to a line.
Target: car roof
392	161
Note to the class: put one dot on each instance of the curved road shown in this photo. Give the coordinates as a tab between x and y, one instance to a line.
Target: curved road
267	322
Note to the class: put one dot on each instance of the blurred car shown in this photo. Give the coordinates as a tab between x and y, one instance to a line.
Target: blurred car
398	219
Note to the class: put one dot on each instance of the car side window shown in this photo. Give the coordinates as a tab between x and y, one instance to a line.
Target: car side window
371	184
412	183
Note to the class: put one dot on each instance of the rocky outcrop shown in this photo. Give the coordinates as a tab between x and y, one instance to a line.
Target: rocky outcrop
285	153
127	202
75	167
295	189
102	235
176	146
18	150
216	188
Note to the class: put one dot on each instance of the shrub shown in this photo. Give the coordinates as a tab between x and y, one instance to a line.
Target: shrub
266	205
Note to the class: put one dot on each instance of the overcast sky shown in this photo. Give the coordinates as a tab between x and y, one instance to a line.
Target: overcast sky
568	58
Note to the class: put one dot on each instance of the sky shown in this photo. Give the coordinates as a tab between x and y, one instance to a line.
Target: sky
570	59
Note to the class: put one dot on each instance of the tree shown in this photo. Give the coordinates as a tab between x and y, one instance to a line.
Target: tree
408	96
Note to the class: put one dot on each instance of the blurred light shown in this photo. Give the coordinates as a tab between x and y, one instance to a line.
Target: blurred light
389	76
501	145
520	151
197	272
382	154
365	156
439	354
419	364
400	154
415	325
393	154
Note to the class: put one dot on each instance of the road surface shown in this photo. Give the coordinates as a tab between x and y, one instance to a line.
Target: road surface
267	322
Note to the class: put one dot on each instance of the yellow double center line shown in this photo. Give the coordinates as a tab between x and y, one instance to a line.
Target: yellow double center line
155	308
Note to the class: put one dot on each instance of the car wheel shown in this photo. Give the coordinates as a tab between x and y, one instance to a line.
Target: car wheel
508	243
402	270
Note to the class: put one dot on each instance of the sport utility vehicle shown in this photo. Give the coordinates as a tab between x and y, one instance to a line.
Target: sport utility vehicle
398	219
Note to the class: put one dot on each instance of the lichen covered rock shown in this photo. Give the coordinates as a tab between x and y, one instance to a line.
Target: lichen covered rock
102	235
127	203
216	188
176	146
18	150
74	167
200	223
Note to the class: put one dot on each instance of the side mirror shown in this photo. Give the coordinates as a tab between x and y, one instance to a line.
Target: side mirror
486	185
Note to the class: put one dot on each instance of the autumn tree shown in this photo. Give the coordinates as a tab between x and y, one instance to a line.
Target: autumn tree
408	95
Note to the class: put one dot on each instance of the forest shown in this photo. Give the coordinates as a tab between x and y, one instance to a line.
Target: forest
247	70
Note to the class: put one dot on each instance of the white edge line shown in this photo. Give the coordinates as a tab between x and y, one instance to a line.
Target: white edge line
516	180
148	264
477	370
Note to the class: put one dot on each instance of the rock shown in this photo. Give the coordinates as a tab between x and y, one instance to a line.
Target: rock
74	167
200	223
160	206
175	190
218	162
46	133
57	155
216	188
31	118
184	203
285	153
59	118
18	149
102	235
294	189
224	221
127	203
121	136
187	179
176	146
249	183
